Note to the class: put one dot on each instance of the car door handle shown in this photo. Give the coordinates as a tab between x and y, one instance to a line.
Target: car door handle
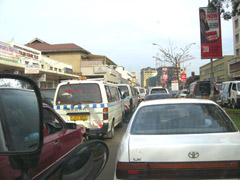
56	142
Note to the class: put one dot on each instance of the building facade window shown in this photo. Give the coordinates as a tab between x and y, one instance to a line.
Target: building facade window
237	38
236	24
237	52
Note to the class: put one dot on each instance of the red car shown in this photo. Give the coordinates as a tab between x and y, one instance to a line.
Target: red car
60	138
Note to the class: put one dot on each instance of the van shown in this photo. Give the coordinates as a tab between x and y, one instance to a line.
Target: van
230	93
130	96
93	104
158	89
202	90
141	93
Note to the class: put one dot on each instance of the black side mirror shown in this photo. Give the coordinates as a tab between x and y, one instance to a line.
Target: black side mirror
21	125
85	162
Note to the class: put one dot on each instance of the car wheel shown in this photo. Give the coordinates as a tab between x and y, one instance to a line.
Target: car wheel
121	122
233	104
110	134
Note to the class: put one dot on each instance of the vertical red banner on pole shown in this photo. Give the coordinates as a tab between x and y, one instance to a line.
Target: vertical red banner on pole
211	38
164	74
183	77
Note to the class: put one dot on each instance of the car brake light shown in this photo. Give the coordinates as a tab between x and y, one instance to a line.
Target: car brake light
204	170
195	88
105	113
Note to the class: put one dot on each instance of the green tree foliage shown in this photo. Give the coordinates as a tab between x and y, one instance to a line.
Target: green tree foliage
228	8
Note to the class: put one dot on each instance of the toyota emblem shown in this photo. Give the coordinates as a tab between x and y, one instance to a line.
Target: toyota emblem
193	154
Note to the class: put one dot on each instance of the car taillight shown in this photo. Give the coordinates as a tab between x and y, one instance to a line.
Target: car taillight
105	113
195	88
131	170
193	170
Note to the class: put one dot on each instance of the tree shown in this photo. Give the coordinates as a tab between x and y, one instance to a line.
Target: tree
175	57
228	8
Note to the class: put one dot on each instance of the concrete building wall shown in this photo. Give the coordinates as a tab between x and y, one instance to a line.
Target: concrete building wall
72	58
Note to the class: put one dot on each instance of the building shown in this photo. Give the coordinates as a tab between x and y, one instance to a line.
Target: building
83	62
147	73
234	65
220	70
19	59
67	53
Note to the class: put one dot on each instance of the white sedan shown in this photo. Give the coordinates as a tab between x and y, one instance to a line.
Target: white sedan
179	139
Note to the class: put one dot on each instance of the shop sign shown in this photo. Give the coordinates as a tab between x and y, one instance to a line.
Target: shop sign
99	70
32	69
236	74
68	70
8	53
27	54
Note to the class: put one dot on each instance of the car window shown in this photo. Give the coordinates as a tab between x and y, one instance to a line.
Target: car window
124	89
48	93
238	86
159	90
234	87
51	121
79	93
181	119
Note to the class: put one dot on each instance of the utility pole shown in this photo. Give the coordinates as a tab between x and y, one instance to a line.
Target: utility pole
212	77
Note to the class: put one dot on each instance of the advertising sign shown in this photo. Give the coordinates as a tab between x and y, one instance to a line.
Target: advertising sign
183	77
32	69
8	53
164	74
210	28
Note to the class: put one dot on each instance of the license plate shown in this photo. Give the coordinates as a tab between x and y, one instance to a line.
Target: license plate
76	118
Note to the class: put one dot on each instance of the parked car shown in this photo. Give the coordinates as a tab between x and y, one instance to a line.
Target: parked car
202	90
60	138
179	139
183	93
95	104
158	96
174	93
130	95
48	95
158	89
230	93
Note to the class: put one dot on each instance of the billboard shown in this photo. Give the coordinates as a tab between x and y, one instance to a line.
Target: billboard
164	74
210	28
183	77
8	53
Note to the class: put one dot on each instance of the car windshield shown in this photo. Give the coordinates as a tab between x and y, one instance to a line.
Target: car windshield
48	93
203	89
181	119
79	93
142	91
159	90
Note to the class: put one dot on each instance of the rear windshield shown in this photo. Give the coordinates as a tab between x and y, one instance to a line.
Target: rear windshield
124	89
79	93
203	89
181	119
159	90
142	91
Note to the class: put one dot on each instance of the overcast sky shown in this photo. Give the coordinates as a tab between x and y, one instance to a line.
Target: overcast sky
122	30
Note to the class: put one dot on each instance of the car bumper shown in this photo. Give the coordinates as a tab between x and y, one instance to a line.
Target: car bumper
98	131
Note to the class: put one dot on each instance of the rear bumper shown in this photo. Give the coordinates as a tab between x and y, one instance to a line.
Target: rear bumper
98	131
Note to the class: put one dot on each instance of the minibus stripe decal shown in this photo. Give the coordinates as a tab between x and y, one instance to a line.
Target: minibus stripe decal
72	106
80	106
58	107
94	106
102	105
65	107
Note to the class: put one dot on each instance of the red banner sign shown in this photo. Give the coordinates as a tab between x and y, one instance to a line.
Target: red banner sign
183	77
210	27
164	74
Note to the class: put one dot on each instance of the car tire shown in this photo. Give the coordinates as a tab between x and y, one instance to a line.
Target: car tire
233	105
110	134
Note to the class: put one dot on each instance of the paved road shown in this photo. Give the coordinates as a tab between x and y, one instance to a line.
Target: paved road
108	172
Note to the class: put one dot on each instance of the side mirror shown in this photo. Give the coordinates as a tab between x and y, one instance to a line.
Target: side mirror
21	125
124	95
85	162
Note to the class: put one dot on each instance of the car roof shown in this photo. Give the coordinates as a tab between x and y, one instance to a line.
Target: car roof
176	101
